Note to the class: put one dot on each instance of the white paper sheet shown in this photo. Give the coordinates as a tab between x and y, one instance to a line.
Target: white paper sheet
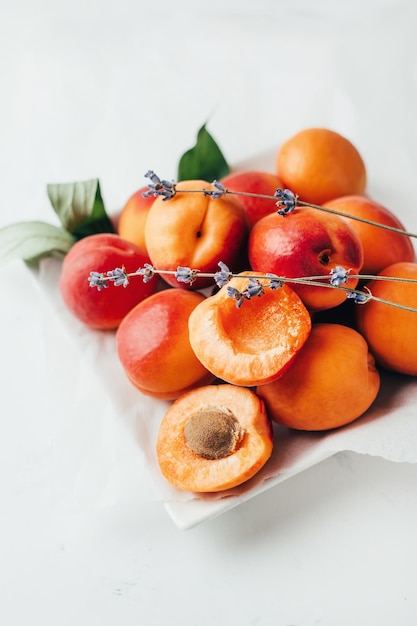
110	426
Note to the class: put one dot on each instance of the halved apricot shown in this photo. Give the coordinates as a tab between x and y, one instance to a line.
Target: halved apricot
213	438
255	343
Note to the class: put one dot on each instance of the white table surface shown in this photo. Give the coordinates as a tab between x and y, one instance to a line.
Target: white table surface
108	90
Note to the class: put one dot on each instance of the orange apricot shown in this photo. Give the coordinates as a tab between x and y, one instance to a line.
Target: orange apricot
332	381
214	438
195	230
319	164
392	332
255	343
132	219
381	247
154	349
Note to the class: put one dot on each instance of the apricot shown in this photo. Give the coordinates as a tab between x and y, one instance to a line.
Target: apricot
332	382
196	231
257	182
320	164
102	253
391	332
132	218
307	242
154	349
255	343
381	247
214	438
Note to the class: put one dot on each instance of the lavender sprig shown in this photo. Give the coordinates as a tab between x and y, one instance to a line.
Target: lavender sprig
286	203
255	288
159	187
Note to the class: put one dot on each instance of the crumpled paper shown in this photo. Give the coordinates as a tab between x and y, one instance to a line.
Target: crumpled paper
109	429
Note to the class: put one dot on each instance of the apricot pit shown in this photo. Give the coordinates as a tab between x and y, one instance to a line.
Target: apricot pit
213	433
214	438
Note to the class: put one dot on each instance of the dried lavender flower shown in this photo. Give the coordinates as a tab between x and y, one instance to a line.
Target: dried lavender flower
223	276
338	275
237	295
185	275
147	271
98	279
220	190
287	201
118	276
158	187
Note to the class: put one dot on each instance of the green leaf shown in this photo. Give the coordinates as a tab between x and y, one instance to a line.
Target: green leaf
80	207
31	241
204	161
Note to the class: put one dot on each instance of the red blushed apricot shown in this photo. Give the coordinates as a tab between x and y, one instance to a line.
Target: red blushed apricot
308	242
154	349
254	182
103	252
253	344
214	438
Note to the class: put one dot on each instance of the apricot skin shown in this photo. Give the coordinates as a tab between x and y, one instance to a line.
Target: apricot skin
132	219
381	247
103	309
332	382
319	164
196	231
391	332
307	242
154	349
254	181
186	470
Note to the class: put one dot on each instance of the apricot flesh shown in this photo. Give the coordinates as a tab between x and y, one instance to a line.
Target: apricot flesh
253	344
189	471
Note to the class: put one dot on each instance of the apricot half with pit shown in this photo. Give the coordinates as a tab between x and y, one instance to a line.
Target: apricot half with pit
255	343
214	438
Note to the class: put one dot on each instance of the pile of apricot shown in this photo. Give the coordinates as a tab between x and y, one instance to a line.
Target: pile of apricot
236	358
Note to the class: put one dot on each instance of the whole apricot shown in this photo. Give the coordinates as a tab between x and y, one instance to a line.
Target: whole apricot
307	242
332	381
254	343
319	164
132	219
103	309
196	231
381	247
214	438
254	182
154	348
392	332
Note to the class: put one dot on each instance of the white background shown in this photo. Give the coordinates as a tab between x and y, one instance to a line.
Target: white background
109	90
